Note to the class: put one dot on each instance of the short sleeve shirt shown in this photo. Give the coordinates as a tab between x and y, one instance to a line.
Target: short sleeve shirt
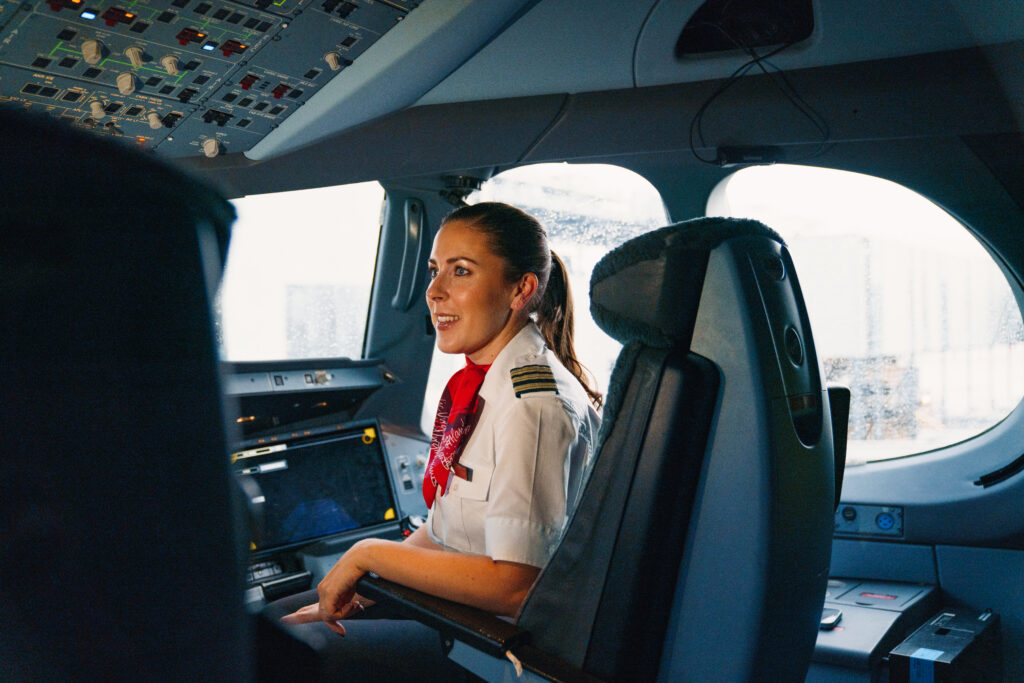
524	459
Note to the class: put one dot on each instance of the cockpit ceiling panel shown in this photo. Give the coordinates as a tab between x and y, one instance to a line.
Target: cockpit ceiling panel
184	77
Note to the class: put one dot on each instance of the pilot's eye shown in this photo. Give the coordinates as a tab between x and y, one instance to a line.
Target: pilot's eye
459	271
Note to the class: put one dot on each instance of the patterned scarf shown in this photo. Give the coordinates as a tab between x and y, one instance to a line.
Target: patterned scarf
452	427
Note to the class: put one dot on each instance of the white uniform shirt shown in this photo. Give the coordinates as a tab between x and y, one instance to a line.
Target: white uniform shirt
525	457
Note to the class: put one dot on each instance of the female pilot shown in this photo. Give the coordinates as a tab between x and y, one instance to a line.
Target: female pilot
514	427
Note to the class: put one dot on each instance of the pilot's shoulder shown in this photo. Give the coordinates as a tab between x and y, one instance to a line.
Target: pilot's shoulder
536	375
533	375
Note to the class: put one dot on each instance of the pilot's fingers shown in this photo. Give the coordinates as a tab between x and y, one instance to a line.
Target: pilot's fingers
304	615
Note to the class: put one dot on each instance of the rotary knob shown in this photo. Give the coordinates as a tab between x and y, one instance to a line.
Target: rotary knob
333	60
125	83
92	51
134	55
170	65
211	147
96	109
154	120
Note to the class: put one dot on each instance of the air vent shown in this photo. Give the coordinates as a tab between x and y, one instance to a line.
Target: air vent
723	25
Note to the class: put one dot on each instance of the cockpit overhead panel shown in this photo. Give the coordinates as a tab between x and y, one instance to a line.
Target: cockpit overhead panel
184	77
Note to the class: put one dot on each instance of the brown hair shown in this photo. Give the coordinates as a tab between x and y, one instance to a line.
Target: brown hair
522	243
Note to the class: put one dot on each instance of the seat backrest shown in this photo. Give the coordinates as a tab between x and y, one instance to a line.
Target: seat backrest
699	549
119	554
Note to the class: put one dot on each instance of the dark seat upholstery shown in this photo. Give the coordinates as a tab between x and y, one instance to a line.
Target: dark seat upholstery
120	558
699	548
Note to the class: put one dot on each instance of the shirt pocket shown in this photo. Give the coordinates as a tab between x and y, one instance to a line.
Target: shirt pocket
472	496
477	486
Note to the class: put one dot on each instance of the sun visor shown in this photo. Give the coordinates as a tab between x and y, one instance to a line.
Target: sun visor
395	72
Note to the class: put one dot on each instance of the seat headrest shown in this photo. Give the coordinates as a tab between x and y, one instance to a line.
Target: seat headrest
648	289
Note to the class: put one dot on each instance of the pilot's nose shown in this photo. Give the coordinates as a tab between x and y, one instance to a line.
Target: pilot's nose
435	292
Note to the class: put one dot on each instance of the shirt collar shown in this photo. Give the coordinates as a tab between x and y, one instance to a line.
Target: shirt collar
528	341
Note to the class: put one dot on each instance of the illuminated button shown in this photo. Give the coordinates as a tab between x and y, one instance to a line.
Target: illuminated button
116	15
233	47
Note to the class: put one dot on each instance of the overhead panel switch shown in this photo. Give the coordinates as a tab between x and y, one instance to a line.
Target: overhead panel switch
170	65
134	55
92	51
125	83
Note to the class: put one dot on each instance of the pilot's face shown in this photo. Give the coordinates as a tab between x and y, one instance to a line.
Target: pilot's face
473	307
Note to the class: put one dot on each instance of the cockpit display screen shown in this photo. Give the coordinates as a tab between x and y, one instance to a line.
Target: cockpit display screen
319	486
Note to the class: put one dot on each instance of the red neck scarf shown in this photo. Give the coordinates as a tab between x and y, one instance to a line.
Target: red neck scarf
452	427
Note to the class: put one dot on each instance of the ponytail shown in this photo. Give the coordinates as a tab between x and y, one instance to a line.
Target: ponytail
556	320
520	240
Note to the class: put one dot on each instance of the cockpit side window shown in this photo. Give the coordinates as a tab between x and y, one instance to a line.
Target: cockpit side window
587	209
299	272
908	310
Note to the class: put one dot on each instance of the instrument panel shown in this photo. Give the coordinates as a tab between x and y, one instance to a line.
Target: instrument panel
183	77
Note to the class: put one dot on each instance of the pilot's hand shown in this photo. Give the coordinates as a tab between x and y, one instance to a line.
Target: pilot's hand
311	613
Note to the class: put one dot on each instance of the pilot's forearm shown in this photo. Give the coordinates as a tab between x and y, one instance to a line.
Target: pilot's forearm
477	580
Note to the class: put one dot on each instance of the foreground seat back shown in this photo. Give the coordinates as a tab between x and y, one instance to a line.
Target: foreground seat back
699	549
119	558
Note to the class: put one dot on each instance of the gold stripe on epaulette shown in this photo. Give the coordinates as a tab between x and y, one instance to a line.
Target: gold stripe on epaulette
532	378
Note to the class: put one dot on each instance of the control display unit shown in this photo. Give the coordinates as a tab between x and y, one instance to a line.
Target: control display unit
312	486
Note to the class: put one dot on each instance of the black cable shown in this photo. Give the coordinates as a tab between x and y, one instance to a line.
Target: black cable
778	78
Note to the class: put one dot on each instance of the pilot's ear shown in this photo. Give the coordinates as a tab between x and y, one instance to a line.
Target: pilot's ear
524	291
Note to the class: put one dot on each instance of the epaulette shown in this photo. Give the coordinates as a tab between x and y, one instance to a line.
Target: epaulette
530	379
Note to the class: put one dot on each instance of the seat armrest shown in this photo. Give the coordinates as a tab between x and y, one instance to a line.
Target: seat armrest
479	629
475	627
